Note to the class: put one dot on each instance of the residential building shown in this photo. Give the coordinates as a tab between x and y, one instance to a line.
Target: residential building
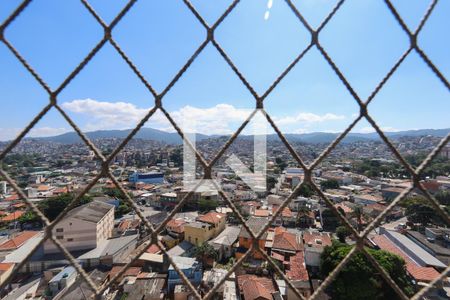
175	228
15	243
168	200
314	243
418	271
5	270
298	275
189	266
225	241
256	224
83	228
62	280
204	228
150	177
252	287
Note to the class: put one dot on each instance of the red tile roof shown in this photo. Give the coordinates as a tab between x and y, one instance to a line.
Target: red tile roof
176	225
129	224
261	213
277	256
13	216
19	205
344	207
256	288
424	274
211	218
43	188
131	271
286	241
5	267
18	241
297	268
12	197
153	249
312	237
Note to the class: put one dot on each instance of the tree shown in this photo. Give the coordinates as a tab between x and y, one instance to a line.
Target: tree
205	252
176	156
342	233
329	184
306	190
280	163
358	214
443	197
420	213
271	181
122	209
359	279
329	220
207	204
52	207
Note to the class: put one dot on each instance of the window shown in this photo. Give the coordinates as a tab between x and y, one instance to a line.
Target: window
70	240
59	237
60	229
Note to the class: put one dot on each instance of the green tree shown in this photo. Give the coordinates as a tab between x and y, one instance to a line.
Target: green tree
122	209
205	252
207	204
271	181
359	279
342	233
329	220
421	213
329	184
358	215
280	163
52	207
443	197
306	191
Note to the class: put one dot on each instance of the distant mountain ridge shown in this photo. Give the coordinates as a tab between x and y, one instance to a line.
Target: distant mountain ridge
174	138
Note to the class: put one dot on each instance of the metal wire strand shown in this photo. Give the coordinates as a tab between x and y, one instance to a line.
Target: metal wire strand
152	237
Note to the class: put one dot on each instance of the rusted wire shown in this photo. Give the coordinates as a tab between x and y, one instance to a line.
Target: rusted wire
207	166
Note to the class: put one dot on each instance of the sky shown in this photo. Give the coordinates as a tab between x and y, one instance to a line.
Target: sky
261	37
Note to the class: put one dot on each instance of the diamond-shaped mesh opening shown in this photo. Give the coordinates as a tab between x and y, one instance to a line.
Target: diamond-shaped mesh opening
97	284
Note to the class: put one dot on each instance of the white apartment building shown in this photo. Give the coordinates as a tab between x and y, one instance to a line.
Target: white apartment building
83	228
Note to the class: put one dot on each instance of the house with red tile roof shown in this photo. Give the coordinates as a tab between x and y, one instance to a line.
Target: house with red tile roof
298	274
15	215
175	228
16	242
286	218
205	227
13	197
5	271
264	213
286	243
252	287
419	273
314	243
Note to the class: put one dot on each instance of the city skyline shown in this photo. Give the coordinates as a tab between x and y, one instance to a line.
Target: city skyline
107	95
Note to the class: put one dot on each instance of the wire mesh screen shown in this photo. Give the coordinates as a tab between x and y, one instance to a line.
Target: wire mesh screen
259	99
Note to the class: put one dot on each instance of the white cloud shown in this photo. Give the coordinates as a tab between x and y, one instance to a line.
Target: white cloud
266	15
269	4
47	131
370	129
218	119
304	117
107	115
7	134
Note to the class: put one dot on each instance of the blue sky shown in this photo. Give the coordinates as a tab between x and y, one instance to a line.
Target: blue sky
363	38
